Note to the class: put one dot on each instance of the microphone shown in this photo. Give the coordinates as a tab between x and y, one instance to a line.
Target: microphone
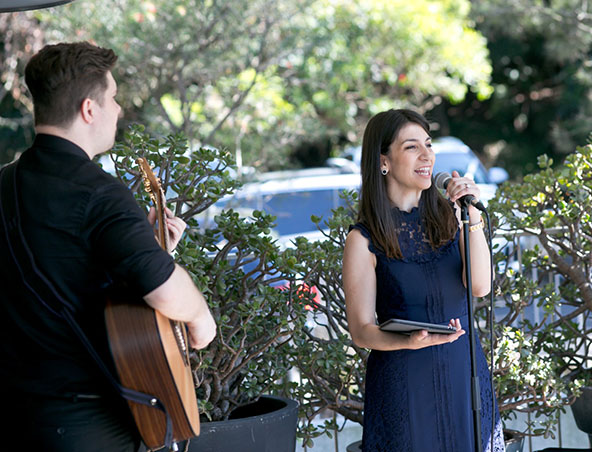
442	179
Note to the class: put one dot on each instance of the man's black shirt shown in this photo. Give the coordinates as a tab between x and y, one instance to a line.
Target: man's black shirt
85	231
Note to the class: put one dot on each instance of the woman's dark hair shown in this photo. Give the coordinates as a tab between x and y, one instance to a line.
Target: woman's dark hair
61	76
376	210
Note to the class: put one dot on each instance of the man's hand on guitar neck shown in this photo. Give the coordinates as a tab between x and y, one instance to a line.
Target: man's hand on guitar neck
175	226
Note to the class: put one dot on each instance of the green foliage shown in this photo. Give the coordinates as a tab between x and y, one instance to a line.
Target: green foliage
541	79
19	39
541	362
332	368
189	66
361	57
261	77
235	264
192	180
527	380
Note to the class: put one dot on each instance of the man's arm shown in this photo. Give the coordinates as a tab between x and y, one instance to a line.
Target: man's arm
178	299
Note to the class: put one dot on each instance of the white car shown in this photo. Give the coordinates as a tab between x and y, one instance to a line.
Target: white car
292	197
452	154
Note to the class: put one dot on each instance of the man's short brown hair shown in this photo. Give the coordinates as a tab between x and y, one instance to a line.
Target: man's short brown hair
61	76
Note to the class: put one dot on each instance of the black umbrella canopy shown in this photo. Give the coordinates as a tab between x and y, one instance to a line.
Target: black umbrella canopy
23	5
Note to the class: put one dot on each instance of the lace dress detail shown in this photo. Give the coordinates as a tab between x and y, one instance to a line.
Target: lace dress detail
420	400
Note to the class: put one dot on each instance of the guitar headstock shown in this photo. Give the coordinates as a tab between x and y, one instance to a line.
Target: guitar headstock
153	187
151	182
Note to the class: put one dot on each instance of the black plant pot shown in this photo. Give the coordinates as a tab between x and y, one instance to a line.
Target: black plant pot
582	411
355	447
268	425
514	440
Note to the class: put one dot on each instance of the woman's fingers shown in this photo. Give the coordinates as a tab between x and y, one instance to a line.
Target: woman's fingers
461	186
421	339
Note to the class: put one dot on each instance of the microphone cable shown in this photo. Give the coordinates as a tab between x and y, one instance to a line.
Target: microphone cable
491	324
441	180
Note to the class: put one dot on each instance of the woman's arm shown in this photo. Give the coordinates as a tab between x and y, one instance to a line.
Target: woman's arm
480	256
359	284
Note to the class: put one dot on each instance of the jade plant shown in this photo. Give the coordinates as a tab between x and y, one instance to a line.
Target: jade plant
235	263
539	363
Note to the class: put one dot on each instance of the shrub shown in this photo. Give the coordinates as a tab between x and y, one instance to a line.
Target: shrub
236	264
540	364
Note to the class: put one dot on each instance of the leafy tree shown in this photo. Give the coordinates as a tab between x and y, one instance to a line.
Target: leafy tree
542	83
236	264
184	65
365	56
20	38
542	361
332	368
354	58
264	77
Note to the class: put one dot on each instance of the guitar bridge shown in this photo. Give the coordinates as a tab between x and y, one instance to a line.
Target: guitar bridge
181	337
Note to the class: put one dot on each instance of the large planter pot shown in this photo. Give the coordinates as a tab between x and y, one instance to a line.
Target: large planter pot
514	441
355	447
582	411
268	425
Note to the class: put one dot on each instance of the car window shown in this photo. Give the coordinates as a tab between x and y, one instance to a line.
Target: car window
463	163
293	210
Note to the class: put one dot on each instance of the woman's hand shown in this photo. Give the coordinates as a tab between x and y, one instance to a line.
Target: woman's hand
175	226
461	186
422	339
480	253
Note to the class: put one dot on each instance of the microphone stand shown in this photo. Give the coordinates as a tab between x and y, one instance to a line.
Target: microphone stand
475	389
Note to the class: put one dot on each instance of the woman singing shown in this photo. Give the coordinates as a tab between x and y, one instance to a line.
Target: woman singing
405	259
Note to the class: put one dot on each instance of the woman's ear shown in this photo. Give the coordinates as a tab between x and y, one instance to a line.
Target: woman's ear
384	164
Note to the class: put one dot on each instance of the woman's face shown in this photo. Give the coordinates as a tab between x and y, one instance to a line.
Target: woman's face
410	161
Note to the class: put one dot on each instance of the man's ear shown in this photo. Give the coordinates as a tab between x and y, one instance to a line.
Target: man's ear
87	110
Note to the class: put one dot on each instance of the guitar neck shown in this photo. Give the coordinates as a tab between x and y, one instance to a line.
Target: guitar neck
163	236
153	187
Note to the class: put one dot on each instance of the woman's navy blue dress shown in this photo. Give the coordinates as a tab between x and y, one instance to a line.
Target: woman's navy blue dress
420	400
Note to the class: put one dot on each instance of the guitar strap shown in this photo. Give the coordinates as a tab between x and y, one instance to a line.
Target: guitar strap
44	291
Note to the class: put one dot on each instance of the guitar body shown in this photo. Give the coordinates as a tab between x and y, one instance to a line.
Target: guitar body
151	351
148	356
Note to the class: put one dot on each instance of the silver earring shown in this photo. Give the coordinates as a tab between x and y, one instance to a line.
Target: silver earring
384	171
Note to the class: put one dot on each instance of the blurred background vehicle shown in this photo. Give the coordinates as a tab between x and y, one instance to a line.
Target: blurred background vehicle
452	154
292	197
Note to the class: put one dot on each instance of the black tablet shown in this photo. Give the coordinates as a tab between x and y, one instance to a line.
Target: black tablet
408	326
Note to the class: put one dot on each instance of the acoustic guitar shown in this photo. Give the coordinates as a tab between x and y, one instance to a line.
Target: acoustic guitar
151	351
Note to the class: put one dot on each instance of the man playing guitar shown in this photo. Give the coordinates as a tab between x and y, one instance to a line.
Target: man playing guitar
85	231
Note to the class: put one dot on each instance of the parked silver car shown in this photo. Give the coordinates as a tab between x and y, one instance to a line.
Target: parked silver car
452	154
291	196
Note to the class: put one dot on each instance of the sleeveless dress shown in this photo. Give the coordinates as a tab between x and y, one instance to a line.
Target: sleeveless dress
420	400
